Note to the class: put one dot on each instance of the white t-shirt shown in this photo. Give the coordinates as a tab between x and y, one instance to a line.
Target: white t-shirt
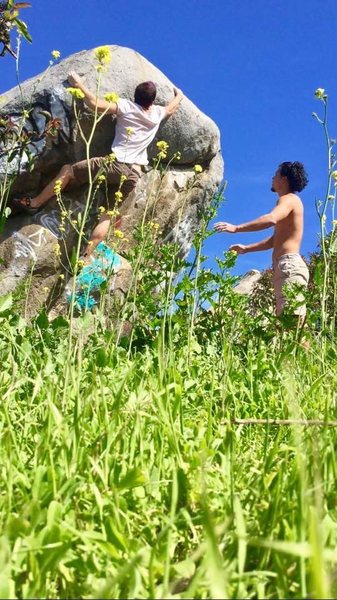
132	147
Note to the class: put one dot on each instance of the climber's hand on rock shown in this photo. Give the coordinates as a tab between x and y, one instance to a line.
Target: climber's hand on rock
238	248
177	92
222	227
75	79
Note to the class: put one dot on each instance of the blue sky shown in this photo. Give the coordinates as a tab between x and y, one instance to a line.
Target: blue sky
252	66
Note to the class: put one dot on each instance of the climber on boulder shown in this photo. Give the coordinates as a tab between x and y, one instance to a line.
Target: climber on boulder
136	126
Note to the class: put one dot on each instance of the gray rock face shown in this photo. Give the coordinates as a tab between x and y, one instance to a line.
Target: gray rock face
175	197
247	282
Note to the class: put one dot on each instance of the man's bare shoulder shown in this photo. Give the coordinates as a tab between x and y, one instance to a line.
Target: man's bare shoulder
291	199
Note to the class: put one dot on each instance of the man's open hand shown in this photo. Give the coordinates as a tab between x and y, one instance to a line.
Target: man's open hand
225	227
238	248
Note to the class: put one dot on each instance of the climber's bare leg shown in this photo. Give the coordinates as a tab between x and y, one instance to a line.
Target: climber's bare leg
64	176
99	234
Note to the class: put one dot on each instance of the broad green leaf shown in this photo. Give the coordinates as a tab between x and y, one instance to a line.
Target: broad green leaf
132	479
213	559
54	513
59	322
241	532
6	302
42	320
98	498
23	29
7	585
101	357
115	536
57	415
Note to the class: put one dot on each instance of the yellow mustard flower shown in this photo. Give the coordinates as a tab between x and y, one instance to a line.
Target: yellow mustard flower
113	213
118	196
57	187
76	93
101	178
334	175
61	276
123	178
57	250
129	130
56	54
111	97
110	158
103	55
119	234
162	145
101	209
62	228
177	156
197	169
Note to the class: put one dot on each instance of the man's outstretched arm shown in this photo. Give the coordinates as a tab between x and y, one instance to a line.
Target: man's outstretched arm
89	98
174	104
257	247
280	212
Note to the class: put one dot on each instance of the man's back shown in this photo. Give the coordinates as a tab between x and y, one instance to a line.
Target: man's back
136	127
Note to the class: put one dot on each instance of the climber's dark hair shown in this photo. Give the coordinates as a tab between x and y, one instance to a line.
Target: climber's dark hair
295	173
145	94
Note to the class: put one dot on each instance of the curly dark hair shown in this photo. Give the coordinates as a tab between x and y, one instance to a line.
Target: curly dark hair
296	175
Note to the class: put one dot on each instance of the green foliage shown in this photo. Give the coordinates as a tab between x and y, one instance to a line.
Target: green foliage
123	473
9	19
124	478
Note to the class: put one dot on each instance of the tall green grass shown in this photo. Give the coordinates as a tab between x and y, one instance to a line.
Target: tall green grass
131	482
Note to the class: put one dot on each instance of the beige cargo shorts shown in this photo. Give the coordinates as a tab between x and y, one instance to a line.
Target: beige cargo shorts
290	269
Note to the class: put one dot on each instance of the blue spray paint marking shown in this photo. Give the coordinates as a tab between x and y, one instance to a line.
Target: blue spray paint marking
90	279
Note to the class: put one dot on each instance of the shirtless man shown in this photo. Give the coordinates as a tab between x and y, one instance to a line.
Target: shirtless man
136	126
287	219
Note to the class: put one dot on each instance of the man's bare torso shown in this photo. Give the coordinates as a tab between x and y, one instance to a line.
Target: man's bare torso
288	232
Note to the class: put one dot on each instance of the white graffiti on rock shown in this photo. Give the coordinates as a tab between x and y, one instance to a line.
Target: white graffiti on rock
26	246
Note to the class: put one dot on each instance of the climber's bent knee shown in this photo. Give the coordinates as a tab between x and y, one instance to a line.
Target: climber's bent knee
82	169
67	171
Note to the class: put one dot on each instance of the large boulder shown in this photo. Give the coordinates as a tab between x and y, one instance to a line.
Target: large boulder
248	282
173	195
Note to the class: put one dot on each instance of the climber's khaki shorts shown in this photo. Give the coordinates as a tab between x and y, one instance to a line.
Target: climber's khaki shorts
112	171
288	270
